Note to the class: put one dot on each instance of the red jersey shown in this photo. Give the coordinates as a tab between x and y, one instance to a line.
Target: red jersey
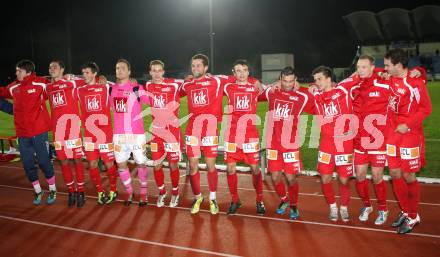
165	102
282	119
63	99
334	104
95	110
31	117
242	105
205	95
409	102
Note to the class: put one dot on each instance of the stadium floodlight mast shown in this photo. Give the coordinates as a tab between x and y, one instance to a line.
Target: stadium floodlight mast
211	38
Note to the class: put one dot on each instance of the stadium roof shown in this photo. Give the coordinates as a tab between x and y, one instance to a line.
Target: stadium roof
395	24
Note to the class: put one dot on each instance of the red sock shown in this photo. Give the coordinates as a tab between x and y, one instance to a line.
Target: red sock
363	191
195	183
257	180
381	194
159	177
293	193
112	177
401	191
175	176
212	180
96	178
344	191
80	176
68	177
233	184
281	191
413	198
327	190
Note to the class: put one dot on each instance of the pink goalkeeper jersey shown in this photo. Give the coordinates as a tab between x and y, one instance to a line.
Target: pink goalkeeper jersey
126	102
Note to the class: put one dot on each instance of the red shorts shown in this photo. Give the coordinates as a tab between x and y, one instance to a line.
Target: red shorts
375	158
202	137
330	157
196	151
404	151
248	158
287	161
94	152
166	142
160	149
68	149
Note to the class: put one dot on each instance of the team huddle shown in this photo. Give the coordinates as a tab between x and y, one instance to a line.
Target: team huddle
373	118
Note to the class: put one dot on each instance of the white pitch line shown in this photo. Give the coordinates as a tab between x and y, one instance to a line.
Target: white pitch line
268	218
252	189
117	237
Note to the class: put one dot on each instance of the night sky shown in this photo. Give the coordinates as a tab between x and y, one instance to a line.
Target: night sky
174	30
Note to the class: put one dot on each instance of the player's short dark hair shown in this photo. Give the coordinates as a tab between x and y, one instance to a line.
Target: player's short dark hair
157	62
240	62
26	65
122	60
204	58
367	57
288	71
326	71
59	62
398	55
92	66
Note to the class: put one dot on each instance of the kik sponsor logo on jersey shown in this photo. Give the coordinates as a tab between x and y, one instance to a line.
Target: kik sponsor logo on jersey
93	103
200	97
242	101
282	109
58	98
331	109
159	100
120	104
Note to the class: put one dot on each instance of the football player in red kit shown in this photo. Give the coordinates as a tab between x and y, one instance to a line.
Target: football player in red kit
334	107
284	163
242	138
409	104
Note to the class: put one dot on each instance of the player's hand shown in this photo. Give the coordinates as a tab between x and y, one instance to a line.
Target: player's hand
402	128
296	86
275	86
102	80
415	73
69	76
384	75
313	88
355	74
258	86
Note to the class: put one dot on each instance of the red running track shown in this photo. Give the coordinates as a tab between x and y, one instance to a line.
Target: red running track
117	230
